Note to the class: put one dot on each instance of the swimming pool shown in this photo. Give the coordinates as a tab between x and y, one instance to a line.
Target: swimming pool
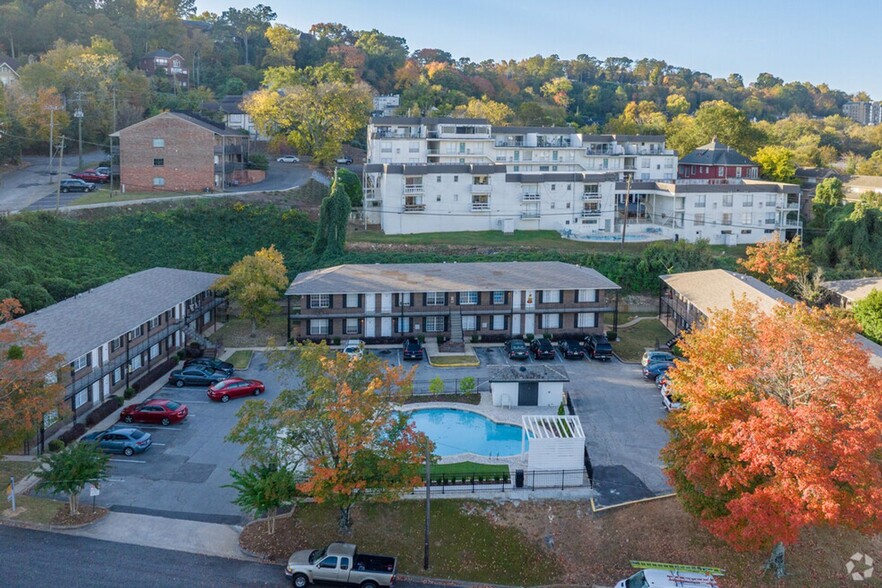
461	431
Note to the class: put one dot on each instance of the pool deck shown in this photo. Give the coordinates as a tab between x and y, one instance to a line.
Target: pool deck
498	414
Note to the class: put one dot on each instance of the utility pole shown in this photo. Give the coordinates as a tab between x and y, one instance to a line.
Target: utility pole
79	116
58	188
627	205
51	110
428	506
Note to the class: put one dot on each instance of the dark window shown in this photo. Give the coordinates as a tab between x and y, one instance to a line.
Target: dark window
158	162
329	562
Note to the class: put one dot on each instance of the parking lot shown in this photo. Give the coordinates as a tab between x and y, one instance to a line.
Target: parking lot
182	474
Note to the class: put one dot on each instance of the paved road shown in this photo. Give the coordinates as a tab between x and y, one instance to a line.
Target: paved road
21	188
37	558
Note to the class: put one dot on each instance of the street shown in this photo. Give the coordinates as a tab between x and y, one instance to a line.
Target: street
37	558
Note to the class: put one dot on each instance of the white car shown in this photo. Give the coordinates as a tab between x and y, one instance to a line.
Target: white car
288	159
345	160
354	348
668	400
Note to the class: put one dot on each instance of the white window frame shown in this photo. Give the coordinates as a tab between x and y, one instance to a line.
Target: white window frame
747	201
80	362
159	142
468	298
499	297
154	352
404	324
434	324
698	220
117	376
320	301
747	218
469	323
351	301
135	363
351	325
550	296
498	322
81	398
405	299
432	298
586	320
319	327
158	181
588	295
551	320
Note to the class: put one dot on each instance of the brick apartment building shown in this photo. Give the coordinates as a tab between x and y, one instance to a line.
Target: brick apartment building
175	152
491	301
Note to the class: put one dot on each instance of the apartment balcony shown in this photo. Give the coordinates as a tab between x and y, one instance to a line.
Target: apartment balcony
390	135
413	189
590	213
432	134
414	207
480	206
513	144
531	215
480	188
531	197
591	196
433	151
789	206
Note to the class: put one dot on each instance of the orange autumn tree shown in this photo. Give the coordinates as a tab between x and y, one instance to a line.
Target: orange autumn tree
778	264
782	427
338	427
25	392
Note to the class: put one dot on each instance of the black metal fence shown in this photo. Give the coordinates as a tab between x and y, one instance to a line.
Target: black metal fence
450	386
529	480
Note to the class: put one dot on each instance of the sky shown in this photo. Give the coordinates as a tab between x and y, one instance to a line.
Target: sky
815	41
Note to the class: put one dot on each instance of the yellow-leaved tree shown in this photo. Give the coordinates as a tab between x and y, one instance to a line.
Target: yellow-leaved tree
255	283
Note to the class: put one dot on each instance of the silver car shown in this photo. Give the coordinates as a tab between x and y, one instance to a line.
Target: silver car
125	440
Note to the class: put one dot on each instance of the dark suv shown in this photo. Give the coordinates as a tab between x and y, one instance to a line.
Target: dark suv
571	349
542	348
516	349
598	347
412	349
75	185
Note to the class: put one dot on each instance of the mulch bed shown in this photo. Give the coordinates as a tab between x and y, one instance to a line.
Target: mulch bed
288	538
63	518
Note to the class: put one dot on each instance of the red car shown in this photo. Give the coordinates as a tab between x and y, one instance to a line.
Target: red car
91	175
164	412
234	388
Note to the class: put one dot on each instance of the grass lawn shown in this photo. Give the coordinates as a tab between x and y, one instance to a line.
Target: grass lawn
634	340
237	332
36	510
104	195
241	359
454	360
463	545
18	469
466	469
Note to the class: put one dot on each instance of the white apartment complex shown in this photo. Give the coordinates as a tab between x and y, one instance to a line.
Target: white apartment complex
451	174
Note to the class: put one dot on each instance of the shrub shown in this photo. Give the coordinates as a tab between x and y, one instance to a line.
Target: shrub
72	434
612	335
467	385
129	393
561	410
529	337
181	354
439	339
548	336
336	340
421	338
476	338
258	161
107	408
436	386
56	445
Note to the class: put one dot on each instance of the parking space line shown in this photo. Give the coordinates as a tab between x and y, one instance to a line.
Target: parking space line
128	460
158	428
159	444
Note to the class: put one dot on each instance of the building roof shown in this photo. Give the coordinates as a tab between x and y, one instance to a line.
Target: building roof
552	427
715	153
498	129
534	372
158	53
854	290
858	184
820	173
734	186
10	61
448	277
217	130
711	290
623	139
83	322
426	120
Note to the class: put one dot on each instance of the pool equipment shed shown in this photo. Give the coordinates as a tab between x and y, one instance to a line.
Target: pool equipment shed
528	385
557	443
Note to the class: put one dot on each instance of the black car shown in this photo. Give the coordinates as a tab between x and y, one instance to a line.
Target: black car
412	349
215	364
654	370
542	348
516	349
571	349
598	347
196	375
75	185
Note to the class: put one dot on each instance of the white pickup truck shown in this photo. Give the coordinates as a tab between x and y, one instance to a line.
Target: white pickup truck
340	563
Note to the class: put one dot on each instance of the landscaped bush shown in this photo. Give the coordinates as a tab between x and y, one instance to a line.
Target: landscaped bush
107	408
129	393
467	385
612	335
436	386
56	445
257	161
72	434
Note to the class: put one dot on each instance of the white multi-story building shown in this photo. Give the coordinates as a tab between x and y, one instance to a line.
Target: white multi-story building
865	113
449	174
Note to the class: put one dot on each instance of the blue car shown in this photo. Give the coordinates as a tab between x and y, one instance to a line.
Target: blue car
125	440
654	370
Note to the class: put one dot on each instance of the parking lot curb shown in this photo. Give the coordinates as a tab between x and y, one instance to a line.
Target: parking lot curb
454	365
49	528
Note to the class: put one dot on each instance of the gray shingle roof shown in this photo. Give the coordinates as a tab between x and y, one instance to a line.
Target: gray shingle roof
533	372
79	324
449	277
715	153
711	290
854	290
217	130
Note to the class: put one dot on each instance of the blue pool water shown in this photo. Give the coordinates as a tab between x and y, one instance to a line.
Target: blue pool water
460	431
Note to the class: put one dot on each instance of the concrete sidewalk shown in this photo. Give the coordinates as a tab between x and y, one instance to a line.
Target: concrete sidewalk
165	533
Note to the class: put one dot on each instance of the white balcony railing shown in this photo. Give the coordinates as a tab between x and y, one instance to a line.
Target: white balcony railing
531	197
531	214
480	188
413	189
414	207
480	206
590	195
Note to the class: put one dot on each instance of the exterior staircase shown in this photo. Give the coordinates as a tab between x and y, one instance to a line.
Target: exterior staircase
456	327
193	334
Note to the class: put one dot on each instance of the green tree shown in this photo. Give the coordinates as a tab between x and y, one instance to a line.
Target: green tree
341	425
676	104
69	470
776	163
496	112
330	236
352	185
829	192
256	283
868	313
718	119
264	488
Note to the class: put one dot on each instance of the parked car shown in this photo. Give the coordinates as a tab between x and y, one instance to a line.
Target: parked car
655	356
654	370
516	349
125	440
542	348
75	185
288	159
354	348
345	160
103	170
598	347
210	362
91	175
412	349
235	388
668	579
340	563
668	398
571	349
156	411
196	375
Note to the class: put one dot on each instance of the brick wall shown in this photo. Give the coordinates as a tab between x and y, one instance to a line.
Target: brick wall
187	157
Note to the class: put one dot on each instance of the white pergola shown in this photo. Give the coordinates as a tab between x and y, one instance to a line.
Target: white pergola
557	443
